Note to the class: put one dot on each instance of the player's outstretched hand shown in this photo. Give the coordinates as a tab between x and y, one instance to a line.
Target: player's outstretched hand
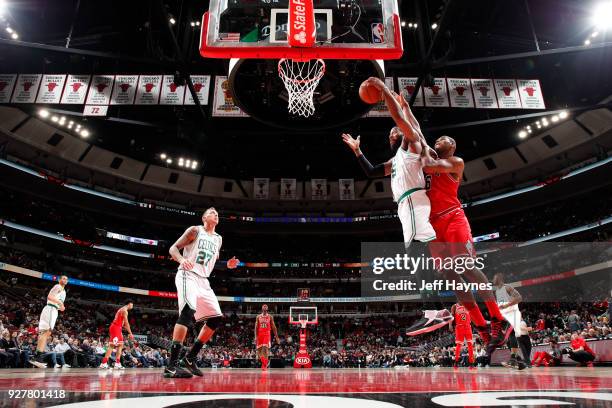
376	83
187	265
352	143
232	263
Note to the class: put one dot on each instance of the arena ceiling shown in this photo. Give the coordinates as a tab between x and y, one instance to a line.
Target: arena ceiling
135	37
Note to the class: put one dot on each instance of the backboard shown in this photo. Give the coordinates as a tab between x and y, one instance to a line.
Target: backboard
303	315
343	29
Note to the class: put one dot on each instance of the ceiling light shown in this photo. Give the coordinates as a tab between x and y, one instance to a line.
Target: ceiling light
9	30
404	24
595	34
198	23
172	20
188	163
563	114
415	25
539	126
163	156
555	119
193	24
587	42
545	122
43	113
85	133
434	26
14	36
169	161
602	16
529	131
522	134
194	165
54	118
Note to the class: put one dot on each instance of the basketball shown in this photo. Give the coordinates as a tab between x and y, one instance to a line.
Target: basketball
369	94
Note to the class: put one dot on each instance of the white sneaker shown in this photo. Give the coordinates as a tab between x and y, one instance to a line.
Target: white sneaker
103	365
118	367
58	366
65	366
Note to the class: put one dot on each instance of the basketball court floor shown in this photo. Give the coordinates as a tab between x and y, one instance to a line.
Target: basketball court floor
318	388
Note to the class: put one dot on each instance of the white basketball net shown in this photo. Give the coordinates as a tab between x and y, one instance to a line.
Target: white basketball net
301	79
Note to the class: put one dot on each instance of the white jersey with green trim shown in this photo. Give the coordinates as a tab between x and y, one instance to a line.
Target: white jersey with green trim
406	173
203	252
58	292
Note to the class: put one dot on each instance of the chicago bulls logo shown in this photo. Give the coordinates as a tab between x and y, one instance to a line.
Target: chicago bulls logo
530	91
173	87
27	86
51	86
506	90
410	89
435	89
198	86
101	87
124	87
460	90
76	86
149	87
483	90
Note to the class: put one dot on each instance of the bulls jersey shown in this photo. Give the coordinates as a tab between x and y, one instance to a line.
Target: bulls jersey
406	173
462	317
264	324
203	251
442	193
118	320
58	292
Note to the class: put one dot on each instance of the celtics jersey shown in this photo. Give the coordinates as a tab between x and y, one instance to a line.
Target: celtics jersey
203	251
406	174
58	292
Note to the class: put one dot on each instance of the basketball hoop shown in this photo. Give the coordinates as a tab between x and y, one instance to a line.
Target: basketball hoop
301	79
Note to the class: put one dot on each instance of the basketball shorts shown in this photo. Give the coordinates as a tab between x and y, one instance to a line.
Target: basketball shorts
453	236
195	292
413	212
513	316
463	334
264	340
115	334
48	317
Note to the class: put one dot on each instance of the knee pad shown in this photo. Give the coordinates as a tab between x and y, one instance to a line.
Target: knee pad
214	322
186	316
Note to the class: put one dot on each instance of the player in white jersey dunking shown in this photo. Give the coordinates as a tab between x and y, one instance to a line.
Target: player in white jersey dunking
196	300
48	317
405	169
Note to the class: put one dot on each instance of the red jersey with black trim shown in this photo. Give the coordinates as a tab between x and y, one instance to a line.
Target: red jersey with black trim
442	192
263	324
118	320
462	317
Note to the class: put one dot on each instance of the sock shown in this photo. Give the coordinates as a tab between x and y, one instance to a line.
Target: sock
493	310
197	346
458	352
475	314
174	352
471	352
104	360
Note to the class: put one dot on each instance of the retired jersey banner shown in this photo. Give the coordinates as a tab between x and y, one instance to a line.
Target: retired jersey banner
171	92
7	83
407	87
319	189
124	90
436	94
50	90
484	94
75	89
261	188
100	90
460	92
201	84
149	87
347	189
288	189
223	103
530	92
507	94
26	88
380	109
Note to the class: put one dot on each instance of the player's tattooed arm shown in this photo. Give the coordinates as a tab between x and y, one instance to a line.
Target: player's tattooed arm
380	170
453	165
53	297
175	250
515	297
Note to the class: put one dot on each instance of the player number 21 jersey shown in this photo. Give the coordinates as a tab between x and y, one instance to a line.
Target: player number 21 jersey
406	173
203	252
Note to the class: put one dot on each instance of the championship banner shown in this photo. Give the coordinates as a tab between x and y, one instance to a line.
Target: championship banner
507	94
460	93
100	90
436	95
223	103
347	189
7	83
25	90
124	90
201	84
261	188
75	89
484	94
530	92
171	93
319	189
407	87
288	189
380	109
50	90
149	87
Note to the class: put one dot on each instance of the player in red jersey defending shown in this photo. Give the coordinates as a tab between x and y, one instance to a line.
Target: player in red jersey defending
264	324
116	335
463	332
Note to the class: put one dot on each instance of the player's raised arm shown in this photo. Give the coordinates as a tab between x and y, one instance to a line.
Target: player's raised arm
380	170
274	329
175	250
452	164
396	111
